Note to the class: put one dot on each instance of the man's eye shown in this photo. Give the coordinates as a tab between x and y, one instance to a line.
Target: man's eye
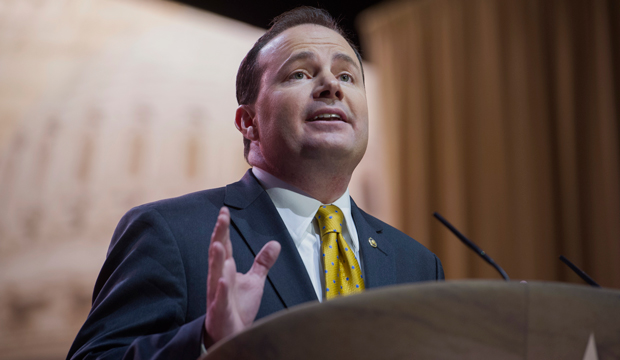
298	75
345	77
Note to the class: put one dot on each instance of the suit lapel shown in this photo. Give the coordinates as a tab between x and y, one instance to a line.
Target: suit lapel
378	262
257	220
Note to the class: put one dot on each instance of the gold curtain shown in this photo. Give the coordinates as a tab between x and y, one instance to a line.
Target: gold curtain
502	115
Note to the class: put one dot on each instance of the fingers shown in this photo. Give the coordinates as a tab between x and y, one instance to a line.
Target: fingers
220	239
220	305
222	315
265	259
230	275
221	232
216	321
217	257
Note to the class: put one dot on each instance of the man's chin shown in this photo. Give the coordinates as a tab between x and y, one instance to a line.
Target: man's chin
330	150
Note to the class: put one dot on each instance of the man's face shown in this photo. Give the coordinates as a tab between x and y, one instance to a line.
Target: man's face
312	101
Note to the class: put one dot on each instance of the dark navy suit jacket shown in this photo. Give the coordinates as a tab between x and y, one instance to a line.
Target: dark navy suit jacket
149	300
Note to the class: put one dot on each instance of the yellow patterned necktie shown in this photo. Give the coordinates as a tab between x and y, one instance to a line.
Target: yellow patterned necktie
343	275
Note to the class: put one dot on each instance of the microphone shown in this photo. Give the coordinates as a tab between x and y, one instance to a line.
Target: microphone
472	246
579	272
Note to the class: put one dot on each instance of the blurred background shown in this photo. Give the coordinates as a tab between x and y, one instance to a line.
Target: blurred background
502	115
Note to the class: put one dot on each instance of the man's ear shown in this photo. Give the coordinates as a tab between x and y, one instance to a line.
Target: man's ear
245	121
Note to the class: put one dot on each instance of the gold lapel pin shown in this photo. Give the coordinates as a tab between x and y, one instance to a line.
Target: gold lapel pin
372	242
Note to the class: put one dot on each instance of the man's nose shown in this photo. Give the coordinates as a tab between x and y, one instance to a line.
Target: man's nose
329	88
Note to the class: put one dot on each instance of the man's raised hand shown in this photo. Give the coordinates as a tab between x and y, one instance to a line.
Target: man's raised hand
233	298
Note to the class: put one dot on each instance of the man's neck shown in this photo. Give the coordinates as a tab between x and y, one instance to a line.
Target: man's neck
323	186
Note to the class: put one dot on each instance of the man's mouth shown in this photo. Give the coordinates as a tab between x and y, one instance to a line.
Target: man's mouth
328	114
327	117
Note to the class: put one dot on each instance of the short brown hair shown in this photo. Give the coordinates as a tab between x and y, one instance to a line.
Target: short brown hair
250	73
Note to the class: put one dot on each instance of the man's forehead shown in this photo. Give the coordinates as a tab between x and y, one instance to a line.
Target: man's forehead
304	37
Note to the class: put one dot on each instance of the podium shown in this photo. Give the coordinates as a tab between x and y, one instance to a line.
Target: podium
441	320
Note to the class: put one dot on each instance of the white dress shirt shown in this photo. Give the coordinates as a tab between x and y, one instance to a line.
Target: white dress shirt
297	210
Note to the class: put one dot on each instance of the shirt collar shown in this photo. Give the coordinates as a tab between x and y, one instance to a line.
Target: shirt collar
296	207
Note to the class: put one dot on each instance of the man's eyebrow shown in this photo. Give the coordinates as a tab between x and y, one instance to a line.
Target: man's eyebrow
304	55
347	58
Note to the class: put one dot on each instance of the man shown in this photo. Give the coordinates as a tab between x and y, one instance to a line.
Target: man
304	120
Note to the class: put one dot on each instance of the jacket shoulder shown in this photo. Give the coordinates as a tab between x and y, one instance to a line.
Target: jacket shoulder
189	202
173	218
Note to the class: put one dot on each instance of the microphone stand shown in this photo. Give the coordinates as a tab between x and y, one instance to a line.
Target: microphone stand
472	246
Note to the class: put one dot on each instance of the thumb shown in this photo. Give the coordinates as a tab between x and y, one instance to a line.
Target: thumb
265	259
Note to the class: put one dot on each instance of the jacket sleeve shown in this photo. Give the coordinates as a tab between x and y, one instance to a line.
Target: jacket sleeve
140	297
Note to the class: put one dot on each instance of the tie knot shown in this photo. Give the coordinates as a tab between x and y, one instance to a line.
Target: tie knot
330	219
